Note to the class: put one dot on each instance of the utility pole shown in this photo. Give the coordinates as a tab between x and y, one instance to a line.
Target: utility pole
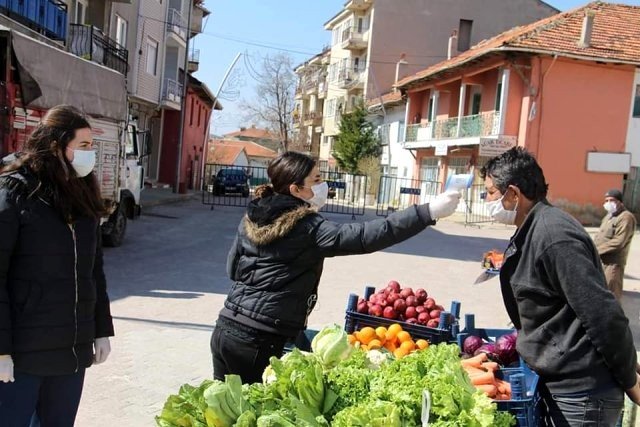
183	101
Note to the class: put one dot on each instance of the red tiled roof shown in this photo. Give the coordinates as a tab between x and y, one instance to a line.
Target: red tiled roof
251	148
615	38
394	97
224	154
253	132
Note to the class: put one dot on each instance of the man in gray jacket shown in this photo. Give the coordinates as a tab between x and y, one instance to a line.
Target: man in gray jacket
571	329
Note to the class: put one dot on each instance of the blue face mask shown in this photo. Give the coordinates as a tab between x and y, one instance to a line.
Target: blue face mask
500	214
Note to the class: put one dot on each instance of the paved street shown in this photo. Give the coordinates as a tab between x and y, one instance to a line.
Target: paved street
167	284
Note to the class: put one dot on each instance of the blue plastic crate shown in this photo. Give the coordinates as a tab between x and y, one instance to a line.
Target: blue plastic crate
444	333
525	403
5	4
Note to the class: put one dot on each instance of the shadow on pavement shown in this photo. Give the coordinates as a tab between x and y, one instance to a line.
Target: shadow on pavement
178	325
630	302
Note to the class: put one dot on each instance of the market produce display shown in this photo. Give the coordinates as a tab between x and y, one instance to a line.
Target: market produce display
338	385
404	304
393	339
502	351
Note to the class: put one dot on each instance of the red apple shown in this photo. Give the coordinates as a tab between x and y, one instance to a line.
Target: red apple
410	312
393	297
400	305
423	318
420	309
376	310
421	295
389	313
433	323
412	301
406	292
430	304
435	314
394	285
362	307
382	302
412	320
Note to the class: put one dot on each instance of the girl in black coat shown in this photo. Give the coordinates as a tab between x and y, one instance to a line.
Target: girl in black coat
54	310
276	261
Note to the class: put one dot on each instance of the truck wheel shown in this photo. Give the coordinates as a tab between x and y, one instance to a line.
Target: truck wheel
118	226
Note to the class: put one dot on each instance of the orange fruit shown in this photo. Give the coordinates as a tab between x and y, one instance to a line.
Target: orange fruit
351	338
381	333
356	334
404	336
374	344
364	347
422	344
391	346
367	334
395	328
400	353
408	346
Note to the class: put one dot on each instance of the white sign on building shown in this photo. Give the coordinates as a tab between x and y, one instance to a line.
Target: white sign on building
491	147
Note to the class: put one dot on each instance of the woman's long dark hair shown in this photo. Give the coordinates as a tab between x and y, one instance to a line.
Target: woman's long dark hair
44	156
288	168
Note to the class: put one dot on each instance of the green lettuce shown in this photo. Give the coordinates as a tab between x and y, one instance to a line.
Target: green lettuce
186	409
331	346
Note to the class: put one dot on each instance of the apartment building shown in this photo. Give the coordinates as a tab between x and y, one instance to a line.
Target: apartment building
368	37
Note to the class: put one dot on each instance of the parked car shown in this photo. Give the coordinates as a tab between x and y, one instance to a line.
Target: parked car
230	181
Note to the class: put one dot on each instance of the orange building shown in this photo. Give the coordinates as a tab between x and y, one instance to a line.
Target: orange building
566	88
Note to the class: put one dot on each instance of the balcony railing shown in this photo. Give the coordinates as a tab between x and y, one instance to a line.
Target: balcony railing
483	124
48	17
312	116
176	23
172	91
353	39
194	56
90	43
349	78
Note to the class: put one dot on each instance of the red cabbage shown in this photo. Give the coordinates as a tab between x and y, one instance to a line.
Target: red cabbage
490	349
505	348
471	344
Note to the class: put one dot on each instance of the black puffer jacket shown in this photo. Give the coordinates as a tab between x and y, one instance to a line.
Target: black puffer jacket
53	297
276	260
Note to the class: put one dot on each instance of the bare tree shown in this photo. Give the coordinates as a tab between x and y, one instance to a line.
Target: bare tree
274	95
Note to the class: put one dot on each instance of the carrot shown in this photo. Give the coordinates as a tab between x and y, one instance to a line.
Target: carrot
503	396
488	389
472	370
491	366
475	361
486	378
503	387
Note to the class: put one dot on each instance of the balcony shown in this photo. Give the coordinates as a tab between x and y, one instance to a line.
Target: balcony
89	42
322	88
350	79
176	24
194	60
48	17
312	118
297	119
310	85
352	39
478	125
358	5
172	94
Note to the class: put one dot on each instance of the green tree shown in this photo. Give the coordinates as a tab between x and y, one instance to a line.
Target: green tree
356	140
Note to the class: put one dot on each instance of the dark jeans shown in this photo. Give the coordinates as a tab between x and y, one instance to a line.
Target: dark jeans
243	351
54	400
589	409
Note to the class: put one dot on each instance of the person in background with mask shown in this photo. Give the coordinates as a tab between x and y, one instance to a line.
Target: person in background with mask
54	310
613	241
276	261
571	330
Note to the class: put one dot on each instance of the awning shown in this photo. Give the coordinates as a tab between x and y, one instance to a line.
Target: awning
51	76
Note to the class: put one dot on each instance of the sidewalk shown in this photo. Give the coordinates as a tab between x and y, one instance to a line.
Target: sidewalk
161	196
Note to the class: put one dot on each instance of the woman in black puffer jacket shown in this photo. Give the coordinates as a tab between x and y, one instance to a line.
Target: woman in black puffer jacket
54	310
276	261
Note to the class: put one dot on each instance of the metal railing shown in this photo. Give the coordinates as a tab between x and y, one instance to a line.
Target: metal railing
176	23
172	91
48	17
396	194
233	185
194	55
476	211
91	43
483	124
312	115
352	35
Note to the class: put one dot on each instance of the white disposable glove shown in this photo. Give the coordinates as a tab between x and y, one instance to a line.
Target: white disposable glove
445	204
6	368
102	350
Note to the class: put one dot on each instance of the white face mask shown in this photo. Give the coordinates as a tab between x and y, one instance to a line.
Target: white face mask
320	194
83	162
500	214
610	207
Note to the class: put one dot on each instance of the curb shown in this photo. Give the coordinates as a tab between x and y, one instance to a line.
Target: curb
178	198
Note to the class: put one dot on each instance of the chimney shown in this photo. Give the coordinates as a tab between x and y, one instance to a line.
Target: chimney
453	42
400	63
587	28
242	128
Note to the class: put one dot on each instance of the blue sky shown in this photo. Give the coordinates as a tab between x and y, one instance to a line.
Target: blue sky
252	26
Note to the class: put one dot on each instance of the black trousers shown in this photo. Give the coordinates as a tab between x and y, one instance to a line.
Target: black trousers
237	349
53	401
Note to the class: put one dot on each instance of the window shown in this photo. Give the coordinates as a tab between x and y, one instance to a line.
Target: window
121	31
331	107
498	95
191	112
475	103
335	35
636	103
81	11
152	56
199	113
464	35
